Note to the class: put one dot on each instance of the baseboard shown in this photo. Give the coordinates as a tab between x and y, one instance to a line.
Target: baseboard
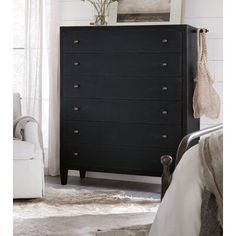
122	177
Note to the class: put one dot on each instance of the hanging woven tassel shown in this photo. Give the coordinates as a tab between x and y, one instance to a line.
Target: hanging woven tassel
206	101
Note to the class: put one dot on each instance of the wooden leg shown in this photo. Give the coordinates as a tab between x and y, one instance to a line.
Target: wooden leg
64	175
166	161
82	174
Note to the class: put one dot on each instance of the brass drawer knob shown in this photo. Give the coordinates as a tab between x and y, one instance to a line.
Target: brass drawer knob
164	88
76	131
76	154
76	63
76	86
76	41
164	112
164	136
164	40
164	64
76	108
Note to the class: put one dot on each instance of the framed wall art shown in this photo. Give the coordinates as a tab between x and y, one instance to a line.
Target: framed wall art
141	12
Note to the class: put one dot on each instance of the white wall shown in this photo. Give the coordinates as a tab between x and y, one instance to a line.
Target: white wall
200	13
209	14
76	12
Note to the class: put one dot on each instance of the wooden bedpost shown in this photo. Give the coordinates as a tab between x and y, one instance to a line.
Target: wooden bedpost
166	161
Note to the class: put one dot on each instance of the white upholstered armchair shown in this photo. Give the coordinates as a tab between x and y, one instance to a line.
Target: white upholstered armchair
28	168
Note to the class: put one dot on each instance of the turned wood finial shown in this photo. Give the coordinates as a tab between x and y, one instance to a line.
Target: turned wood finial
166	160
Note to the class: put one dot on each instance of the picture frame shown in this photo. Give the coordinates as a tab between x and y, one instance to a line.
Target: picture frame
132	18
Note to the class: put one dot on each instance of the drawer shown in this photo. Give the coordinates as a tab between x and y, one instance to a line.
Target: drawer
110	40
115	158
126	64
140	135
154	112
167	88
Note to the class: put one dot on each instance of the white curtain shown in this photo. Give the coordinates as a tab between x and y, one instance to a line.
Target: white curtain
52	11
32	84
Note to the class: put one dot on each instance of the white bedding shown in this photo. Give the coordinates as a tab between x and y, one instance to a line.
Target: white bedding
179	212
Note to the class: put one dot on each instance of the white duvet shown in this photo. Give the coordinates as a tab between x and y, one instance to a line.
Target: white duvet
179	212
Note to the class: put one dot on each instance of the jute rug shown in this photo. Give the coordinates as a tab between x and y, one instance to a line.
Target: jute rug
84	212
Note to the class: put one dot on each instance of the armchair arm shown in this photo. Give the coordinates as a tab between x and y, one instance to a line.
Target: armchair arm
27	128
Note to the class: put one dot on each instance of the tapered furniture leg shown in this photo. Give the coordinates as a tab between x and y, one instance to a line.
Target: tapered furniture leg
64	175
82	174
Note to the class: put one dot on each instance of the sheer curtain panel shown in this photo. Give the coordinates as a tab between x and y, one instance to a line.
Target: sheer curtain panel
32	83
53	30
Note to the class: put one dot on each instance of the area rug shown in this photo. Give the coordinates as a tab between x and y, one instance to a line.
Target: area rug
81	212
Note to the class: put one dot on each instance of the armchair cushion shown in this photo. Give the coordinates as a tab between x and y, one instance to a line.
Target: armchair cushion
23	150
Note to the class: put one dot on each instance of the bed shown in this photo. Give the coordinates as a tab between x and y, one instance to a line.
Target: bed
188	207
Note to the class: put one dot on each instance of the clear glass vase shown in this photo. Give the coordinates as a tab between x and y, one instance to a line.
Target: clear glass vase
101	20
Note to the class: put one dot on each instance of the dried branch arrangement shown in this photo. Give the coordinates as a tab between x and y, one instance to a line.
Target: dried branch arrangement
101	7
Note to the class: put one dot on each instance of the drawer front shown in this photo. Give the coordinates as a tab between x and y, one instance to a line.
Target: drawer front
102	157
167	88
155	112
96	40
128	64
122	134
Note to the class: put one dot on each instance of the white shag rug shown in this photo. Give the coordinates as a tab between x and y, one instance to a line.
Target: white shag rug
84	212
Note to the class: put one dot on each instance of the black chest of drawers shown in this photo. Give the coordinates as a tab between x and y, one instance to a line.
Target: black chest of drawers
126	96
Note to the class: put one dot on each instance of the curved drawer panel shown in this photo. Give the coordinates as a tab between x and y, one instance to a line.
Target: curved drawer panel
125	111
111	87
139	135
115	158
128	64
112	40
